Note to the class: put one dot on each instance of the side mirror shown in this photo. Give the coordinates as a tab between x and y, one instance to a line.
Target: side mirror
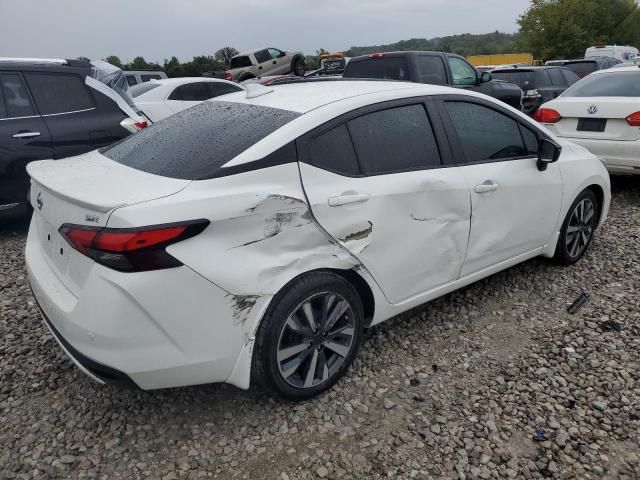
282	54
548	152
485	77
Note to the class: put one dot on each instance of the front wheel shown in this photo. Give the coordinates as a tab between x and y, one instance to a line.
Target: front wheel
309	336
577	230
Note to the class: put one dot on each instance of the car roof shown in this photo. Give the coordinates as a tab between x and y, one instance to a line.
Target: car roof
253	50
627	68
303	97
182	80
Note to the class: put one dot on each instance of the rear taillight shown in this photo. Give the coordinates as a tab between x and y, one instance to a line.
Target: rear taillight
134	126
634	119
376	55
228	76
131	249
547	115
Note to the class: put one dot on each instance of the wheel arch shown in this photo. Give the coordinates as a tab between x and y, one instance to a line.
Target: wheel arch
599	193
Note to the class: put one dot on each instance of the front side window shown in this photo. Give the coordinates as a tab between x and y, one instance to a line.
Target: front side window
59	93
389	68
462	72
194	144
394	140
431	70
485	134
333	151
14	99
530	140
274	53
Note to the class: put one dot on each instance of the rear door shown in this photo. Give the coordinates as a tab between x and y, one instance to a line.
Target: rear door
24	137
515	206
71	113
376	183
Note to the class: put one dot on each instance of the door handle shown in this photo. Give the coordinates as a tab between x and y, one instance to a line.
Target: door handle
347	199
488	186
26	135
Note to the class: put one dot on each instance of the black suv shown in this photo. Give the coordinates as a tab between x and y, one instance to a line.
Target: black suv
539	84
48	112
436	68
585	66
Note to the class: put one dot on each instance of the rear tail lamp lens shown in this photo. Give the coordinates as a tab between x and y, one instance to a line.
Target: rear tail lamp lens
547	115
634	119
131	249
134	126
376	55
228	76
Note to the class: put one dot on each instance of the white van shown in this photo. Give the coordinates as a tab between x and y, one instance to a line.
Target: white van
621	52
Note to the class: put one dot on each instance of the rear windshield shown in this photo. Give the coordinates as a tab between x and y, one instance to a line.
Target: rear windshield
195	143
582	68
525	79
141	88
240	62
391	68
614	84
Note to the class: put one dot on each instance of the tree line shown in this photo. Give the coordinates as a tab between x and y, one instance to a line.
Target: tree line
549	29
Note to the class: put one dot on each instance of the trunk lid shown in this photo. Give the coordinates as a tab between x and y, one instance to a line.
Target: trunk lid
84	190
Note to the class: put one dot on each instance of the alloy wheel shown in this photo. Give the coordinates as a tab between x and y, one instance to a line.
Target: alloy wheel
580	228
315	340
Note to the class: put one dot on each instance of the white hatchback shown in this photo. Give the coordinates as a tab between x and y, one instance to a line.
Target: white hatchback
252	238
602	113
159	99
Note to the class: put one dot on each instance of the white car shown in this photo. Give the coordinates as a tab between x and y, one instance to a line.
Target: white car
601	113
158	99
253	237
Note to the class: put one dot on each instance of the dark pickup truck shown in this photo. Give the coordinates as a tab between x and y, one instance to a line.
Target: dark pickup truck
435	68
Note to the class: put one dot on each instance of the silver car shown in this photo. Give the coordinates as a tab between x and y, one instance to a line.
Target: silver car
265	61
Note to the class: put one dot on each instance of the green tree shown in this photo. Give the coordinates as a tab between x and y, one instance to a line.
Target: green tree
224	55
565	28
114	60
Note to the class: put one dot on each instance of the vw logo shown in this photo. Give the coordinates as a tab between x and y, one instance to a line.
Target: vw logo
39	201
593	109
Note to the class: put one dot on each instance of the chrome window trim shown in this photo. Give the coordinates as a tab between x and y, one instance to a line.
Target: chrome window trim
66	113
18	118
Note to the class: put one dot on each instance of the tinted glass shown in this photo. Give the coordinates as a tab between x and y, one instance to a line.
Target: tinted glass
262	56
485	134
462	72
274	53
582	68
195	143
217	89
131	80
614	84
431	70
525	79
530	140
394	140
191	92
146	78
240	62
58	93
14	99
392	68
556	77
333	151
138	90
569	76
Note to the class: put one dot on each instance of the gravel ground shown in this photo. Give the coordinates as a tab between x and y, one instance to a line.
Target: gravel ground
494	381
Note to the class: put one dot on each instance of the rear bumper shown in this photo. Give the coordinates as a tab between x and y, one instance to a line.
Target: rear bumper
622	157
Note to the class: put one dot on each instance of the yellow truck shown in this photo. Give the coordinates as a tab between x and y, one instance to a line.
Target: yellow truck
502	59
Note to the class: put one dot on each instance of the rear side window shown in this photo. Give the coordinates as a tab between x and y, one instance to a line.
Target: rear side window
391	68
191	92
59	93
195	143
131	80
216	89
240	62
138	90
14	99
146	78
569	76
485	134
556	77
431	69
334	151
394	140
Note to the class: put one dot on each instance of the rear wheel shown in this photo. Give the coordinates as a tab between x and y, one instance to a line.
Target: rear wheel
298	67
577	230
309	336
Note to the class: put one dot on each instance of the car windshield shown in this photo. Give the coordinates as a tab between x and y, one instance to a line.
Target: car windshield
614	84
195	143
525	79
240	62
141	88
392	68
582	68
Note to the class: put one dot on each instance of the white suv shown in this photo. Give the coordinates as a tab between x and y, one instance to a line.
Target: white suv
265	61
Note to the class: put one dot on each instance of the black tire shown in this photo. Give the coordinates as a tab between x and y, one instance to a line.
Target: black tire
275	331
298	68
248	76
578	228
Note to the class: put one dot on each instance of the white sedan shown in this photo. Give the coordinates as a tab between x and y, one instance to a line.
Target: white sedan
159	99
601	113
253	237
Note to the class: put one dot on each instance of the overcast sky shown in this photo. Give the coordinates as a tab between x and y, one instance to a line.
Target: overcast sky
158	29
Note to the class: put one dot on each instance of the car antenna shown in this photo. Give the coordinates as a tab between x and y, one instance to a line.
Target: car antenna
256	90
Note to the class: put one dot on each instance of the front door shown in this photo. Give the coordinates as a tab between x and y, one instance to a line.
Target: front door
376	184
515	206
